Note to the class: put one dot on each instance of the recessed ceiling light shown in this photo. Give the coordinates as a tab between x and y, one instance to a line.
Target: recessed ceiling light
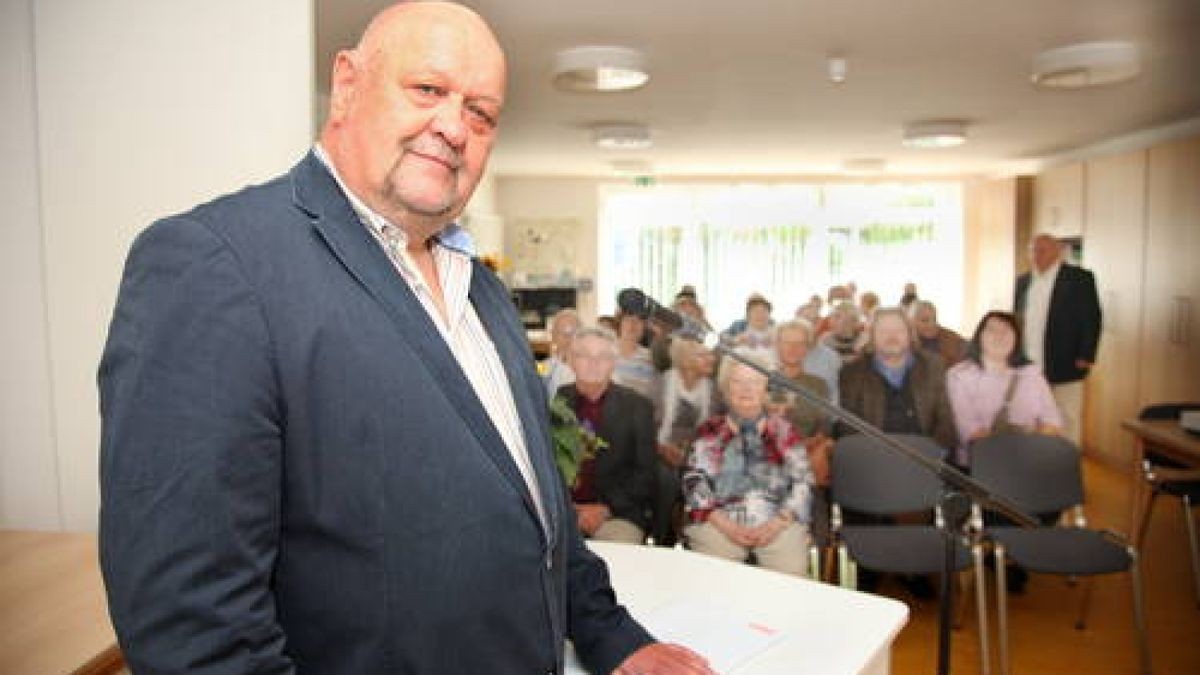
600	69
935	134
622	136
1087	64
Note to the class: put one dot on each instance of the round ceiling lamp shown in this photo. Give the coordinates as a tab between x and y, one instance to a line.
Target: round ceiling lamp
600	69
622	136
935	134
1087	64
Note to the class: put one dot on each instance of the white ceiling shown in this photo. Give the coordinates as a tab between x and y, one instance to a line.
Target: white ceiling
740	87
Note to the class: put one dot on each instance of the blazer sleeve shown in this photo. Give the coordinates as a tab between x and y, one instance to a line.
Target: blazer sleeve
602	631
1088	308
190	461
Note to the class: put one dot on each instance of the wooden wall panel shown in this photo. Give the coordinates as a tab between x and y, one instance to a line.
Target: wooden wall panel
1058	201
1114	239
1170	355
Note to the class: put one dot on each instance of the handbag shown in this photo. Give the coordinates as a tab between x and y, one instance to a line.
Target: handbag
1001	423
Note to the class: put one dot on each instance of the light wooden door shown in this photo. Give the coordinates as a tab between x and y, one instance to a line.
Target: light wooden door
1114	241
1170	349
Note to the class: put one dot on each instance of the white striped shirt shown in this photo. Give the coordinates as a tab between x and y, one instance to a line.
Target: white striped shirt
461	328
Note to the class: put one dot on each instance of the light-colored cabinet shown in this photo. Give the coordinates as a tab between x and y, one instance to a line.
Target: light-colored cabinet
1058	197
1170	363
1141	238
1114	240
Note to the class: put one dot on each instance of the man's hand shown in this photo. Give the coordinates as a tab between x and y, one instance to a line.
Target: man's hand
591	516
1082	365
666	659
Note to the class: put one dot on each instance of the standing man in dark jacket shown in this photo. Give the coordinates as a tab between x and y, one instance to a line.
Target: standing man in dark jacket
324	445
1059	309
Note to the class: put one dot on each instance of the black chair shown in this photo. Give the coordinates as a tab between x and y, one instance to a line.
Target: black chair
872	479
1041	474
1164	476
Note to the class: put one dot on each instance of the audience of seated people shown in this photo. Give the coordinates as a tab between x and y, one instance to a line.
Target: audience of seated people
754	329
614	491
845	335
748	469
747	486
934	338
687	396
555	370
687	304
634	368
868	302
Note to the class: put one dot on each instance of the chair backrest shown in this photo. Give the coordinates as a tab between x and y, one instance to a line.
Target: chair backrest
868	477
1166	411
1037	472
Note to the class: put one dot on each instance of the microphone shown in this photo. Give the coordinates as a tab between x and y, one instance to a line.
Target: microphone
633	301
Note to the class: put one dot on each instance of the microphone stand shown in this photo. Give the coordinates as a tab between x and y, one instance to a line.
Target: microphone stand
957	492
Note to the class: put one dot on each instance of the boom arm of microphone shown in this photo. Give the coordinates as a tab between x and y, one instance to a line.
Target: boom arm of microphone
634	301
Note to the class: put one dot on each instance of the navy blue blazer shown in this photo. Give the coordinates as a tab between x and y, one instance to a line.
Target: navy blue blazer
296	475
1073	322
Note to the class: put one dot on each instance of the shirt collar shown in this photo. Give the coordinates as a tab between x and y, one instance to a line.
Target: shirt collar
894	376
452	236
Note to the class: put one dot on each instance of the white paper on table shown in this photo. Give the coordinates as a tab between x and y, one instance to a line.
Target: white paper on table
724	637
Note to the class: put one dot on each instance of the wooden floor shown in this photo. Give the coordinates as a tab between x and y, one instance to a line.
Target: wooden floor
1042	634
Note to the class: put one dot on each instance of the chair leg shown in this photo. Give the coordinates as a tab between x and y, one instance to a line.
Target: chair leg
1140	536
1085	603
962	584
1190	523
847	573
829	567
1139	612
985	660
1001	609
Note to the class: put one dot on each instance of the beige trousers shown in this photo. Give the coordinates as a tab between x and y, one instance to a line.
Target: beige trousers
1069	397
620	531
787	553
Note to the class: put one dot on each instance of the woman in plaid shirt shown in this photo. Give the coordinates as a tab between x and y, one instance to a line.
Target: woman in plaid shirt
747	484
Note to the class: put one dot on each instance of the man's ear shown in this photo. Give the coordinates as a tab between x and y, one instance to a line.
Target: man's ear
343	83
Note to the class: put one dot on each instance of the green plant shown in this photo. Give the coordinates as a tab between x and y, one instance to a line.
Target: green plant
573	442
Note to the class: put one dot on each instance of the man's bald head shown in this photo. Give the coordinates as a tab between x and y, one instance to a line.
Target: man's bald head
1046	251
413	112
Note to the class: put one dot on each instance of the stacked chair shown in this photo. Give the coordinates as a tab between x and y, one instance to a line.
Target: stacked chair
872	479
1166	477
1041	474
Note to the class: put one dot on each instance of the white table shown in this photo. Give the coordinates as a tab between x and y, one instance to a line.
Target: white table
827	630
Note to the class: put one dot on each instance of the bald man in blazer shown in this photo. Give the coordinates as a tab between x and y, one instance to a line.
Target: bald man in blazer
325	447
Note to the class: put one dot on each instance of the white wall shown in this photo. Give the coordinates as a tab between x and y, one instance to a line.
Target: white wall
520	199
141	109
28	475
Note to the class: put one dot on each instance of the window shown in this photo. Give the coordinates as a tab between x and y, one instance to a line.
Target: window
784	241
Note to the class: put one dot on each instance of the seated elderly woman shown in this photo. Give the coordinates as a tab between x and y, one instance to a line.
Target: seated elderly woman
747	486
996	387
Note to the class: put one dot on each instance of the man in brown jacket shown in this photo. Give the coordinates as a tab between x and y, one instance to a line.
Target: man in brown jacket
896	387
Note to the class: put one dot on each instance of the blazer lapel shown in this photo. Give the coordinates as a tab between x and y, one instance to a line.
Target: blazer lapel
495	311
316	193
